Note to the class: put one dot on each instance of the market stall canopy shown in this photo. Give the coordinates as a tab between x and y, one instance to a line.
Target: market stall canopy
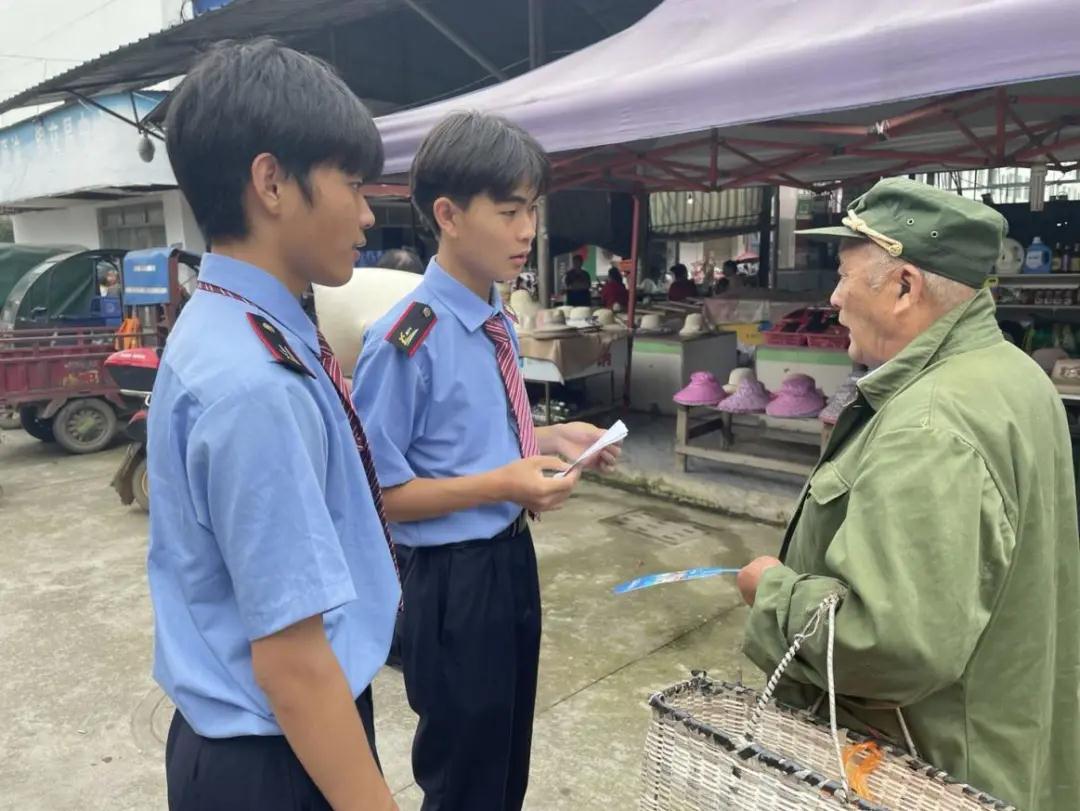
391	52
707	94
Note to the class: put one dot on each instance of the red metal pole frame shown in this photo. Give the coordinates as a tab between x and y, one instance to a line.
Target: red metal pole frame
1069	101
631	307
788	163
714	142
1039	151
925	157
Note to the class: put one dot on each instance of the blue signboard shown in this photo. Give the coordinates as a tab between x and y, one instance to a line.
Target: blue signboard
202	6
146	277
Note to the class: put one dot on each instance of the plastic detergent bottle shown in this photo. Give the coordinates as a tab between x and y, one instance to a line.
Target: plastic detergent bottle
1037	258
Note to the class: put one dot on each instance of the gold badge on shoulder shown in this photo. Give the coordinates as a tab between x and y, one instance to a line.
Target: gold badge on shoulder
413	328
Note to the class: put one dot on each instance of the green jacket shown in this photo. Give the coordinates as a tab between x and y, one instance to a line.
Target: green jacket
944	511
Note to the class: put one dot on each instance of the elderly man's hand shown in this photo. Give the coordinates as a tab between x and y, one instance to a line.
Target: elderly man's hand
750	574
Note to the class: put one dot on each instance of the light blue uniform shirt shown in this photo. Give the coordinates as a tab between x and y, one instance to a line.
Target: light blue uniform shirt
262	515
443	412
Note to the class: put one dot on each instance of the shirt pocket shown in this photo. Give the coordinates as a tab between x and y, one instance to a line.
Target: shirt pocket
828	486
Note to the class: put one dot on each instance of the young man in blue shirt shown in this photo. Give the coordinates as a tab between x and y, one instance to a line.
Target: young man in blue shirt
271	570
439	382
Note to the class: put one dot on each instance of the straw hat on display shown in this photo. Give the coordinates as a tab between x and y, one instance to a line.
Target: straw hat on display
651	322
694	325
737	376
1066	376
604	318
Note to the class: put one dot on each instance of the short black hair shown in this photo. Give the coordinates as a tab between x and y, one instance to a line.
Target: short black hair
679	271
469	154
615	275
245	98
401	259
577	259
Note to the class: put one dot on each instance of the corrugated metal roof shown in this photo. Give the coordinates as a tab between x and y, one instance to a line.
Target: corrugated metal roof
383	49
733	211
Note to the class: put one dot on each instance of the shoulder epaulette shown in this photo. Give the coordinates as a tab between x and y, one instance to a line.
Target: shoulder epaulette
276	344
413	328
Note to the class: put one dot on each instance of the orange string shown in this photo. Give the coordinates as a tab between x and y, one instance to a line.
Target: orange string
860	760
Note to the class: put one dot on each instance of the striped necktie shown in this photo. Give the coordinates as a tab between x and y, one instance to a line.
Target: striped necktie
333	370
495	327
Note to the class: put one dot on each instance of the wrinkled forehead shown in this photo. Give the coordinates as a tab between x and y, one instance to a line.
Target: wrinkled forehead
860	251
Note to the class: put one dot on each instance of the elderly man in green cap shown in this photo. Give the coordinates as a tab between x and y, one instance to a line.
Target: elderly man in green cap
943	514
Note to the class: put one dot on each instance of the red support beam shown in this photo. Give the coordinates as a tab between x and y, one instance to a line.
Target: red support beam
785	179
714	141
694	168
787	164
934	109
572	158
631	305
1040	150
1037	135
910	122
661	165
820	127
971	136
898	169
1065	101
922	157
763	143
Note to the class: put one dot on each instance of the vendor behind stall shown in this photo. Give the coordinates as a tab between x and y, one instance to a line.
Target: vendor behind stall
614	291
578	284
682	288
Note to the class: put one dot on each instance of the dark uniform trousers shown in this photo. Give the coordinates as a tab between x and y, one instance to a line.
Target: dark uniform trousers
251	772
470	647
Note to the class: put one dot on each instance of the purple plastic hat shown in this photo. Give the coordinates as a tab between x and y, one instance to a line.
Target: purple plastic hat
798	397
704	389
751	397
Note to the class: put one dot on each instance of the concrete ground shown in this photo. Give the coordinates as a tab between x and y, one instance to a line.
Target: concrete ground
82	724
648	466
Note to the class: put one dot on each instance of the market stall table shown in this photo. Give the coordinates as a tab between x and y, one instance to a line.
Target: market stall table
663	363
694	422
576	357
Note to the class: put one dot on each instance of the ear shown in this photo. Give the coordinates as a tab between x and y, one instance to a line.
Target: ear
447	216
911	288
267	181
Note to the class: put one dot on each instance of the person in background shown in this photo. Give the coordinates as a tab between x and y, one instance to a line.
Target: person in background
649	284
578	283
614	291
109	283
401	259
682	288
729	279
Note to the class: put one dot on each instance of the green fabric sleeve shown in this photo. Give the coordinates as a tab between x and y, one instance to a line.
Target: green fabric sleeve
920	556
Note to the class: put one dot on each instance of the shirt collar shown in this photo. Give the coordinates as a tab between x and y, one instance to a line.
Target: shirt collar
261	289
471	310
970	326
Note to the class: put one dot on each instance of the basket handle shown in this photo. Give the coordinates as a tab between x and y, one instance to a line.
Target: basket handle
826	609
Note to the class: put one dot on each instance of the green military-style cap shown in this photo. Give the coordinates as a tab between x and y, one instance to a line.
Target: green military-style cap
932	229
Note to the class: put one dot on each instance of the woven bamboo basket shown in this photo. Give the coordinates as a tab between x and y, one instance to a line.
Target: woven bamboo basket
714	746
